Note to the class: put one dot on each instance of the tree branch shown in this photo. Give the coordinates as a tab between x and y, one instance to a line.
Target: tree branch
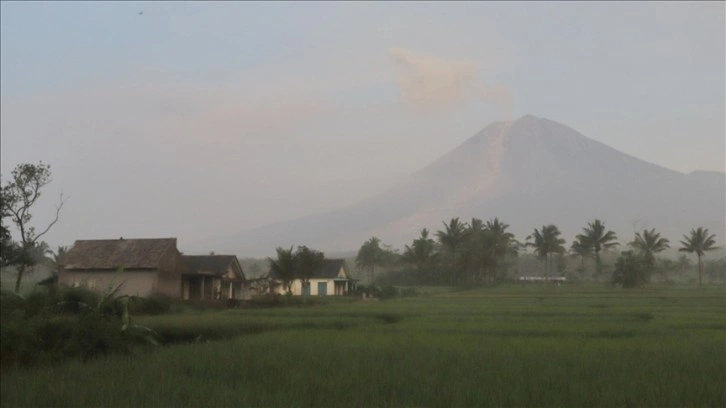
57	214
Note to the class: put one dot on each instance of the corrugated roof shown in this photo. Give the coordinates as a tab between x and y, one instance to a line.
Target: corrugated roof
214	264
115	253
329	269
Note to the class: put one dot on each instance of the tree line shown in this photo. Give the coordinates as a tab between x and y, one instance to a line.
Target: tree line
484	253
462	253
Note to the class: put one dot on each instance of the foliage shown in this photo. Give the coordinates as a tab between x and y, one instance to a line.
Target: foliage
421	254
546	242
648	243
51	326
716	270
307	262
17	199
453	236
371	255
284	267
698	242
299	264
631	270
595	236
504	243
583	248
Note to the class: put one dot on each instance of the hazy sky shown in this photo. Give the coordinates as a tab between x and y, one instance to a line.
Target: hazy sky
202	119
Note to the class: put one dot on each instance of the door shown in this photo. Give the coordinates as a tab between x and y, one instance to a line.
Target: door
306	288
322	288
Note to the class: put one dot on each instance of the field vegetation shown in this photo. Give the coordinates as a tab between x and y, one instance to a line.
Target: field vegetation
510	345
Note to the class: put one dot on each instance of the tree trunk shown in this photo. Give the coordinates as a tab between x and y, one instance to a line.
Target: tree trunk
598	266
21	270
547	267
700	270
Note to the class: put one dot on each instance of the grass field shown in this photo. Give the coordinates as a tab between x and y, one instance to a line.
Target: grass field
568	346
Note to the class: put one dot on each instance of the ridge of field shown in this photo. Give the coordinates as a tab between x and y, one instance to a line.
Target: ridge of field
528	345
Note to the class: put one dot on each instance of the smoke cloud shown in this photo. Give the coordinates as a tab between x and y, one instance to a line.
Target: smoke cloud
429	83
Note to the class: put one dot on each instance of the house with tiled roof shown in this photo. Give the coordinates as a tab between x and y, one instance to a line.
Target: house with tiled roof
213	277
331	279
138	267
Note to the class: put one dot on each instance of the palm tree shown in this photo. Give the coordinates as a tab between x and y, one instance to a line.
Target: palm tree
283	268
369	256
546	242
649	243
583	249
452	236
421	253
504	242
59	254
599	239
475	225
699	242
308	262
478	255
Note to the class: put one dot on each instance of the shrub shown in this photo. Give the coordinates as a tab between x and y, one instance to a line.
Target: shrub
630	271
154	305
50	326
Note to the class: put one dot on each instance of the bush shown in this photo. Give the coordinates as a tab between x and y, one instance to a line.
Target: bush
50	326
154	305
630	271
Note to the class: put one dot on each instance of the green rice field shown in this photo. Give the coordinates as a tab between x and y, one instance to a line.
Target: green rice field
523	346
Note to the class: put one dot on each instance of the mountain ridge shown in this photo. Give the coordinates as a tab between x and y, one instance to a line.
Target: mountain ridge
528	172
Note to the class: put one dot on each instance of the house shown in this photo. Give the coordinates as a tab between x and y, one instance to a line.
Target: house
213	277
331	279
142	267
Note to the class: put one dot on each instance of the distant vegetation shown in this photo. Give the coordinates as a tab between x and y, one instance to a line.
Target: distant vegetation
484	253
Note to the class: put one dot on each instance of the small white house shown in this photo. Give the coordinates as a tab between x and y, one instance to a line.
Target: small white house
331	279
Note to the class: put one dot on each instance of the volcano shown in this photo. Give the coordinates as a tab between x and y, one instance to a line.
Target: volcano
528	172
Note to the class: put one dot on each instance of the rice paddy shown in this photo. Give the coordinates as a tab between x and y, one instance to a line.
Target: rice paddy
507	346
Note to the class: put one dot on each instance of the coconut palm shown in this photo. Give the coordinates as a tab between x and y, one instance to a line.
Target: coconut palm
475	225
477	255
452	236
504	242
699	242
599	239
583	249
546	242
370	255
649	243
308	261
59	254
421	253
283	268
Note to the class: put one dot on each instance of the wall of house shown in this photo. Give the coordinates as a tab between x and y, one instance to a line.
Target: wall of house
171	267
133	282
297	287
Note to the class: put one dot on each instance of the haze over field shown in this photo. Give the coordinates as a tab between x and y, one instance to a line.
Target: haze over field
204	121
